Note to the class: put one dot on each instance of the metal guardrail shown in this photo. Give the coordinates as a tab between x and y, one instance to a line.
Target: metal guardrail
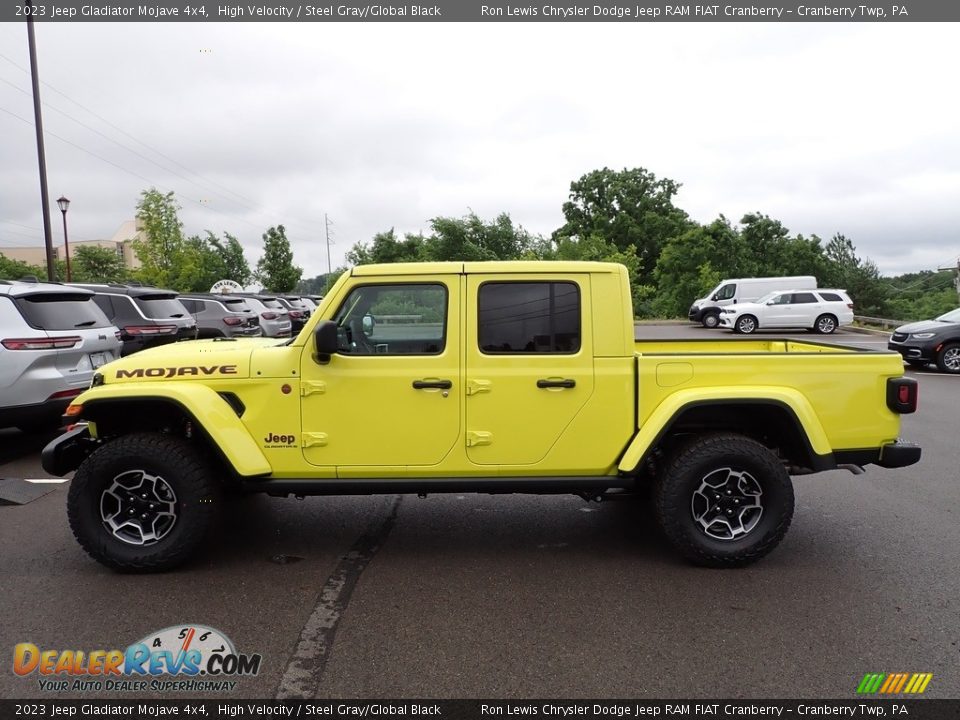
882	323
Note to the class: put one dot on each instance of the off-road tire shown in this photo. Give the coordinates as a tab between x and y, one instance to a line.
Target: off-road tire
746	324
181	468
689	466
710	320
948	359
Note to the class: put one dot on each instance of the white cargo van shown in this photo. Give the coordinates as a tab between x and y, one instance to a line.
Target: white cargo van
706	310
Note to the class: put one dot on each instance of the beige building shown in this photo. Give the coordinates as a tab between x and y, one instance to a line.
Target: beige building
121	242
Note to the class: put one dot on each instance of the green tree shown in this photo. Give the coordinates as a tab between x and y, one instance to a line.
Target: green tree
234	264
387	248
275	269
15	269
920	296
471	238
860	278
161	253
94	264
691	264
627	208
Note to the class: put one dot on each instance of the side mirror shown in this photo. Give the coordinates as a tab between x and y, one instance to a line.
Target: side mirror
369	322
325	339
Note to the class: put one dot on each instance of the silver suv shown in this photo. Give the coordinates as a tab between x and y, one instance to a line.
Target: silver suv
274	318
221	315
52	338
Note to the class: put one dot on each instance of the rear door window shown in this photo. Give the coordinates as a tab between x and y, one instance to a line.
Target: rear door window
799	298
61	311
529	317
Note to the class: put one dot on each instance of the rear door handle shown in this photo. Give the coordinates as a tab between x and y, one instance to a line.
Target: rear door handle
432	384
565	383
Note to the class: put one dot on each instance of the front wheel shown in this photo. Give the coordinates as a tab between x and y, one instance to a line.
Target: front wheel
143	502
825	324
710	320
948	359
724	500
746	324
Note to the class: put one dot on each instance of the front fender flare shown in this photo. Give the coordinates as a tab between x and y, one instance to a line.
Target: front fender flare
205	407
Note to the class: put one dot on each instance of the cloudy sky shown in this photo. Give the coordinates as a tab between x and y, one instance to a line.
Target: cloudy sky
829	127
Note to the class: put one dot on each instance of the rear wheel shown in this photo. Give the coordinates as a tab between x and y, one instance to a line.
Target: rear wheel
825	324
746	324
724	500
143	502
710	320
948	359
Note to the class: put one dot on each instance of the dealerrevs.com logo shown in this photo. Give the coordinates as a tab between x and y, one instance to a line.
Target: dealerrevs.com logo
187	658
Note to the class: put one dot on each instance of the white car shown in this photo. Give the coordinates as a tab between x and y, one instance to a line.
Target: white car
821	311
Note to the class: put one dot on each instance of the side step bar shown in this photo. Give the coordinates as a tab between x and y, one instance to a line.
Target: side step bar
403	486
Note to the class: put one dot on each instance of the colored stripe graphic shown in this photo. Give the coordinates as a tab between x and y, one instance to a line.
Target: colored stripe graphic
894	683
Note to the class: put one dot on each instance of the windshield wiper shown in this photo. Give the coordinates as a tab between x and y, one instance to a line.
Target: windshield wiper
88	323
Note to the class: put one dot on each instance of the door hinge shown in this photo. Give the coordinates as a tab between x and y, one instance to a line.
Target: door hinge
310	387
314	440
475	387
479	437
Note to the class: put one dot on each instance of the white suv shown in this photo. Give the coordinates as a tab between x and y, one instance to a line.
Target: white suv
821	311
52	339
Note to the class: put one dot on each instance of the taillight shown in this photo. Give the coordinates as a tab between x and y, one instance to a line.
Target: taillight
40	343
850	305
269	315
66	394
295	314
903	395
137	330
232	321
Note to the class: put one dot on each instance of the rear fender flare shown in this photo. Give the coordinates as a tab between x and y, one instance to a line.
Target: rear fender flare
672	408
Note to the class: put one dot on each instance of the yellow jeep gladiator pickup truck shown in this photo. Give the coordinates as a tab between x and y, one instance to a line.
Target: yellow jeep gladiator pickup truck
513	377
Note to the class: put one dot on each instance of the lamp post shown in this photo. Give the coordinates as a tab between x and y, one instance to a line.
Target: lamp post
63	204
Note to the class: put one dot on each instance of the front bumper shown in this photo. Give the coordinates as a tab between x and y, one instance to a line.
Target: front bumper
64	454
917	349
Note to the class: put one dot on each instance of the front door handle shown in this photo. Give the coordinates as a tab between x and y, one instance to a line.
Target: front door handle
565	383
432	384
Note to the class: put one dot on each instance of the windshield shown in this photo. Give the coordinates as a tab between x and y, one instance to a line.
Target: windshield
952	316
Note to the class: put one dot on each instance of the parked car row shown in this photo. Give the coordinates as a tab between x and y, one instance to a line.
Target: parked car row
54	336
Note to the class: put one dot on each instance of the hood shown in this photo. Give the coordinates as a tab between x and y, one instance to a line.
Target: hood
740	307
193	360
926	326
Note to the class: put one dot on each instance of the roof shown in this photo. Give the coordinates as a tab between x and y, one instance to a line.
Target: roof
493	267
15	288
131	290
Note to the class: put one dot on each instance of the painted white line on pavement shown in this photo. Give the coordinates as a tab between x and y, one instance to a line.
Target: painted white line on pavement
45	481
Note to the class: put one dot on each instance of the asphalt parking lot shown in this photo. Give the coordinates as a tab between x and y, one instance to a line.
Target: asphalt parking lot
527	596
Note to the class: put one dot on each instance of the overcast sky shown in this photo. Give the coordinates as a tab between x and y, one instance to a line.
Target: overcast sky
832	127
